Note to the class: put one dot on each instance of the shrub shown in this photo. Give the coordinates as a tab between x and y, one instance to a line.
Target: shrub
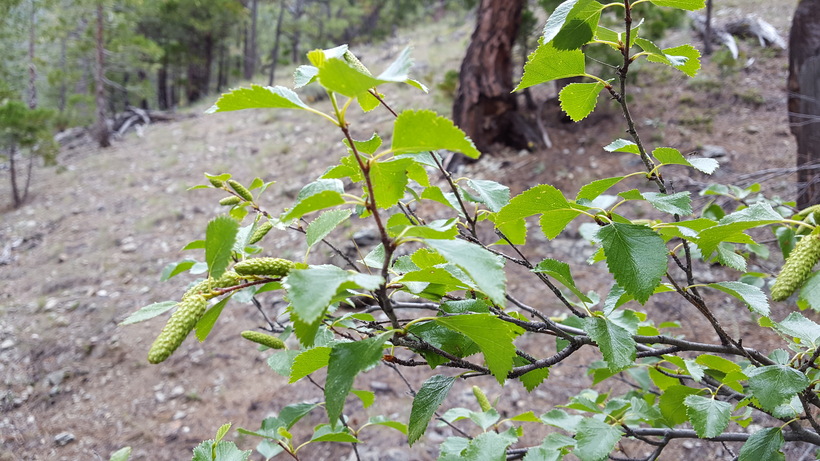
464	322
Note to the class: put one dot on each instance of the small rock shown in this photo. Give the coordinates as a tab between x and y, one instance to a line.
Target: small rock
7	344
711	151
752	129
366	237
160	397
379	386
180	415
688	445
129	247
177	391
64	438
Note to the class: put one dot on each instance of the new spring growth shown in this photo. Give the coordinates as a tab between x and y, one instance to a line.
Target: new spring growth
798	266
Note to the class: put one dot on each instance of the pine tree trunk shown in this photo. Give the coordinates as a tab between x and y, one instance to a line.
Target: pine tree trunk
15	191
275	51
804	94
250	43
484	106
103	136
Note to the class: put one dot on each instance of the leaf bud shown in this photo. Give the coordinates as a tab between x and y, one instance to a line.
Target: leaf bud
266	340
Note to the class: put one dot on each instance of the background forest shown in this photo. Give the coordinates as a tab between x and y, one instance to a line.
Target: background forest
89	246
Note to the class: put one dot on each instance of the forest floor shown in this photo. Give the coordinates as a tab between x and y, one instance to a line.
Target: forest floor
88	249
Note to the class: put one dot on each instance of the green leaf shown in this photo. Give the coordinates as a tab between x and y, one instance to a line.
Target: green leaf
281	362
670	156
559	16
346	361
389	180
749	294
679	203
219	237
258	97
382	421
690	5
148	312
543	199
801	328
490	193
559	271
764	444
206	323
219	451
483	267
562	420
223	429
672	404
429	397
709	416
493	336
595	440
490	446
417	131
553	448
636	256
308	362
318	195
579	99
320	227
686	59
329	433
548	63
311	290
732	226
592	190
810	292
775	384
367	397
622	145
727	256
121	455
615	342
338	76
176	268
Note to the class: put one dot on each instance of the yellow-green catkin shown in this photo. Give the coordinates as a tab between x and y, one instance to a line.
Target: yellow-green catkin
260	232
216	183
230	201
482	399
798	266
240	190
266	340
351	59
264	267
183	320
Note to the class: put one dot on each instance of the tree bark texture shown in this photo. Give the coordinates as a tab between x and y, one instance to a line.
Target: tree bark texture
250	57
103	137
199	68
275	51
804	98
484	106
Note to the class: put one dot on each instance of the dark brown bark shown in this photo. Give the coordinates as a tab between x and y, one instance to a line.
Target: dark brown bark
484	106
295	41
804	94
199	69
103	137
249	68
707	36
275	51
162	85
15	191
